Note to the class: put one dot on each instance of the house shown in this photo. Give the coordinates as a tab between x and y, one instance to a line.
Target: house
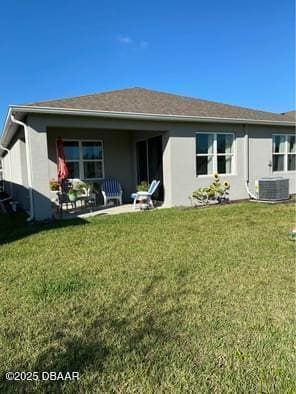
139	134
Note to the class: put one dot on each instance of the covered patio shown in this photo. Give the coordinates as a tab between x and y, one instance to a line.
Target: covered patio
127	156
96	149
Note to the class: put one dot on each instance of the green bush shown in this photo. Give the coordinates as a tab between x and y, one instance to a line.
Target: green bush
216	192
142	187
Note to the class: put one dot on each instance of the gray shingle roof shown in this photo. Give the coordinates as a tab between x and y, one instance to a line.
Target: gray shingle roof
291	115
140	100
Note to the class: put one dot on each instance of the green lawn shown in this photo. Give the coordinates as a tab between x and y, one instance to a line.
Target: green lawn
177	300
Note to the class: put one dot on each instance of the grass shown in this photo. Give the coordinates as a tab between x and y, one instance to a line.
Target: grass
192	300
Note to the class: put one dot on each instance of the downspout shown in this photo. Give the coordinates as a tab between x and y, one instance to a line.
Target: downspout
247	162
10	171
29	167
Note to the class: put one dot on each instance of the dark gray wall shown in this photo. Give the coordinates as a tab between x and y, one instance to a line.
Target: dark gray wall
117	148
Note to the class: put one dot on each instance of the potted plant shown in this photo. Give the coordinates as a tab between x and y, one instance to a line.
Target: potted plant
80	187
54	185
77	188
72	194
142	186
54	189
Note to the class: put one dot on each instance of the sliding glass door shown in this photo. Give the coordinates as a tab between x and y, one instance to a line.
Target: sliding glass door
149	162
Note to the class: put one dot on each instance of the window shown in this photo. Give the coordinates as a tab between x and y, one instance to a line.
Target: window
283	152
214	153
84	159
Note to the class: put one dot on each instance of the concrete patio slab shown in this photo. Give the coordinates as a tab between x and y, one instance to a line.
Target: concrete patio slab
86	212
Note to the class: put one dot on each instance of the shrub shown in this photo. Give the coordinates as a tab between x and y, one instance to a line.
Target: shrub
217	192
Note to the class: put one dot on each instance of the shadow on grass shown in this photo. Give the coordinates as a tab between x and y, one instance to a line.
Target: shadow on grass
114	341
14	226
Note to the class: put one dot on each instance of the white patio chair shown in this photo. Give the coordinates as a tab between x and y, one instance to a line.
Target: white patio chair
146	195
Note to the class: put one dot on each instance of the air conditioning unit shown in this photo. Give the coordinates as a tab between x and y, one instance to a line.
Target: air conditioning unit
272	189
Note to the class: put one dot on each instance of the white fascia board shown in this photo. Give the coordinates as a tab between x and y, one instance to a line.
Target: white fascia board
142	115
23	109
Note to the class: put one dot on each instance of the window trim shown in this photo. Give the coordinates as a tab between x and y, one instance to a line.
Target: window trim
215	154
285	153
81	161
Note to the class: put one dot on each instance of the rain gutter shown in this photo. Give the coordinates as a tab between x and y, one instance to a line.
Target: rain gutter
247	162
24	109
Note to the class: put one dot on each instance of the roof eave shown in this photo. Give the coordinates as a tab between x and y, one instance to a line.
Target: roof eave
5	131
25	109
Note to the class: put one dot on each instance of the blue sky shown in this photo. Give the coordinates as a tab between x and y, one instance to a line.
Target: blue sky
238	52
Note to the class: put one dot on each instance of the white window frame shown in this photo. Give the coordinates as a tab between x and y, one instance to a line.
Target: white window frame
285	153
215	154
81	160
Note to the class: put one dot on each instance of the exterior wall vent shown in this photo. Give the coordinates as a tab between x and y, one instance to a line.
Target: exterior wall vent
272	189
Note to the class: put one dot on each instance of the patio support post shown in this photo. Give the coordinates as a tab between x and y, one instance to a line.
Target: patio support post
167	169
37	140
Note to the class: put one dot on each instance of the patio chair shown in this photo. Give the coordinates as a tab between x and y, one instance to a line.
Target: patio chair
146	195
111	190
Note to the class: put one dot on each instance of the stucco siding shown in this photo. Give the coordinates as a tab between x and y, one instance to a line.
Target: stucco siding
260	153
16	180
183	161
183	164
119	138
38	162
5	168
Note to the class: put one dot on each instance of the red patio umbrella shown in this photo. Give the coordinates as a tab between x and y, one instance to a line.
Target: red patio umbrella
63	171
